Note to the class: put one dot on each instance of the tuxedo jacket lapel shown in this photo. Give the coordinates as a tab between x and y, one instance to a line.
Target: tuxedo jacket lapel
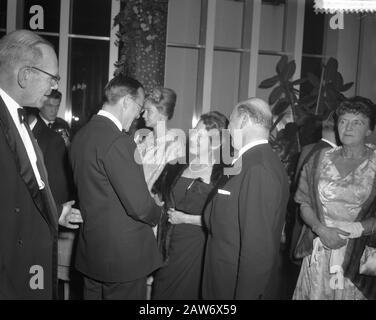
23	163
19	151
50	212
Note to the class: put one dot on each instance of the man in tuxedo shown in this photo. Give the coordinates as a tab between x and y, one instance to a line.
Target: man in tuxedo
246	216
48	114
116	248
55	157
29	216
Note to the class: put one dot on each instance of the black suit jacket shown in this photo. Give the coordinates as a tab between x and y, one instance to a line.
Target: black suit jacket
116	242
60	124
56	161
28	219
245	229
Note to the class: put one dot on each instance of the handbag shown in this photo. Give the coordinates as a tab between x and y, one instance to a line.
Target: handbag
368	262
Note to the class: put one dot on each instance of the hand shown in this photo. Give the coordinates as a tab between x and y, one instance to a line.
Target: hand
176	217
157	200
65	138
331	237
70	215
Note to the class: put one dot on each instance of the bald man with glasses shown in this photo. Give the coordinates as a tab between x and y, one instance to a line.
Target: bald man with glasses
29	216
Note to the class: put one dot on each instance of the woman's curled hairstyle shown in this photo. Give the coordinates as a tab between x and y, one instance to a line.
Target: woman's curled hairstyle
164	100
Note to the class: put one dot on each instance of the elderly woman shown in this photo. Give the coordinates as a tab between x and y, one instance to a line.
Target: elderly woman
336	193
161	145
185	189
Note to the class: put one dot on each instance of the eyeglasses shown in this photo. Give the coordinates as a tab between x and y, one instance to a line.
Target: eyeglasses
139	107
54	78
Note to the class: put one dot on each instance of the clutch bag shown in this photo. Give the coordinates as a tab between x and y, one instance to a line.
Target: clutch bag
368	262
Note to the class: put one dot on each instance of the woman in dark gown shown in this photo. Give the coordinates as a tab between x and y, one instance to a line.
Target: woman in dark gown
185	189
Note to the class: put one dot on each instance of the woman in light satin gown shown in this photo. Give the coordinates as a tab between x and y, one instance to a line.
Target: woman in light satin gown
336	193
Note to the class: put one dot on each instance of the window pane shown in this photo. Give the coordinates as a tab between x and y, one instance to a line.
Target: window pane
88	74
181	76
265	69
3	14
51	10
184	21
229	23
91	17
54	40
225	89
271	28
313	30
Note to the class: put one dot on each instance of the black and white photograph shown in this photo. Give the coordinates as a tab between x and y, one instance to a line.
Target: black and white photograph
187	154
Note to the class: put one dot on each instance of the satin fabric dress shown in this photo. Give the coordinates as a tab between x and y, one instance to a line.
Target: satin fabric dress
342	198
155	153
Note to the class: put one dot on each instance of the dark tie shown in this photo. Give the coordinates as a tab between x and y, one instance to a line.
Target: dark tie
50	125
22	114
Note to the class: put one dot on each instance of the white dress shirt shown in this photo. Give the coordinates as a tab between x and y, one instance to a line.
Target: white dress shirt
111	117
13	107
32	124
47	122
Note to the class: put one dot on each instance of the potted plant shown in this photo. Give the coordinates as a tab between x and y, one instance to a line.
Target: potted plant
286	101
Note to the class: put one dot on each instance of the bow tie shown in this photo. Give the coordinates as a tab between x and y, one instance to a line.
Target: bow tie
22	114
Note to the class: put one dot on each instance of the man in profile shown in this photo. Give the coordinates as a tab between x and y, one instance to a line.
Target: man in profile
116	248
247	214
29	217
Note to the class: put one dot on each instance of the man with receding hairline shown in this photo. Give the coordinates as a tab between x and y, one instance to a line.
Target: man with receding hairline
29	217
246	216
116	248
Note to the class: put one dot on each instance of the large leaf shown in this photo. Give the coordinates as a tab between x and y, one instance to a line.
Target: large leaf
331	92
315	81
338	81
281	65
280	117
268	83
346	86
299	81
289	70
331	69
280	107
275	95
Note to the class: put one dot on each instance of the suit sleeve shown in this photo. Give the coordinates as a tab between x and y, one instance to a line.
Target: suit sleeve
127	179
256	222
57	168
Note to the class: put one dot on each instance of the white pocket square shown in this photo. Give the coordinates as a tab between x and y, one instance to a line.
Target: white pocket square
221	191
